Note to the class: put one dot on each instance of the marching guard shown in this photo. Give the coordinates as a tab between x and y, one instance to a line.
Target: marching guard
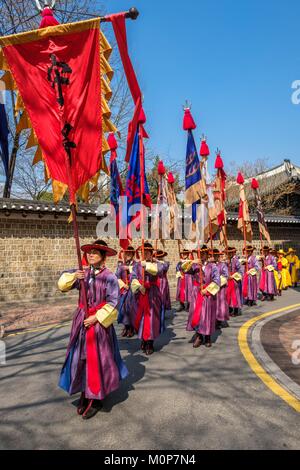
164	286
93	365
267	283
234	289
127	304
150	320
184	283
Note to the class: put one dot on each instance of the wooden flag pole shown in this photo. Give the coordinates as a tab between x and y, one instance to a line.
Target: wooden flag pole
142	187
158	217
75	228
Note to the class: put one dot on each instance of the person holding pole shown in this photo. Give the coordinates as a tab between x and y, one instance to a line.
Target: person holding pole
93	365
267	281
234	290
127	304
150	321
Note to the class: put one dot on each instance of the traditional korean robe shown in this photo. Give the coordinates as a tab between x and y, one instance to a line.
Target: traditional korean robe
294	266
234	289
184	284
164	286
283	268
150	319
127	304
93	362
205	309
222	302
250	281
267	280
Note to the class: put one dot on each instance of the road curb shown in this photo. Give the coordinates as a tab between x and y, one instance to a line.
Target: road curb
261	363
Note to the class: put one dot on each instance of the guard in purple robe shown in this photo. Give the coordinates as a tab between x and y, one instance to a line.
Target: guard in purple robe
150	317
184	283
267	283
222	302
250	279
127	304
93	365
234	288
193	269
205	310
164	287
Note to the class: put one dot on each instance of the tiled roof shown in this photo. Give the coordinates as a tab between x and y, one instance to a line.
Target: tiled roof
38	207
20	205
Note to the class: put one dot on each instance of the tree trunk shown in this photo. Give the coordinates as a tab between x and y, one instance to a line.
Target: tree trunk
12	165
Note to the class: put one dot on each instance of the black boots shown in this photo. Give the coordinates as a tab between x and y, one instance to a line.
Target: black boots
147	347
92	409
88	408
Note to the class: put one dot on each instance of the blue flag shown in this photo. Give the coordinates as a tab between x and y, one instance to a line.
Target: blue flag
133	185
193	176
116	188
4	138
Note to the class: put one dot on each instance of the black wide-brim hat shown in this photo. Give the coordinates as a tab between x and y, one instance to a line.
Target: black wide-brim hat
216	252
130	249
231	249
99	245
160	254
147	247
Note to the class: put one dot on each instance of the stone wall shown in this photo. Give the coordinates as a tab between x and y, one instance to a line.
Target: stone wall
33	252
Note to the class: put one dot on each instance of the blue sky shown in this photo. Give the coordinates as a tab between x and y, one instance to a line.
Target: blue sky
235	61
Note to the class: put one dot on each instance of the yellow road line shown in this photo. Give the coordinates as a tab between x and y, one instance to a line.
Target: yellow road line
267	379
34	330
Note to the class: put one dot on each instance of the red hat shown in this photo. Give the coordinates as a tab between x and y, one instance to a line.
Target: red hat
99	245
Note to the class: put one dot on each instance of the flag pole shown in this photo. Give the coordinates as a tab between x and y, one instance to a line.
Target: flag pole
142	172
72	195
158	215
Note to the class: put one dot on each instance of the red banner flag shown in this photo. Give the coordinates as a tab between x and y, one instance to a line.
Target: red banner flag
57	72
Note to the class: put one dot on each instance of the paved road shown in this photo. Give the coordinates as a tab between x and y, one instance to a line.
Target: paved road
177	399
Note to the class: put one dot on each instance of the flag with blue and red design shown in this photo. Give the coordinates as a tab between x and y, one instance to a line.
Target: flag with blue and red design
193	176
133	191
116	188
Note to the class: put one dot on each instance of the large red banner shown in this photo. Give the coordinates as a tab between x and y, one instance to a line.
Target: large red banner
57	72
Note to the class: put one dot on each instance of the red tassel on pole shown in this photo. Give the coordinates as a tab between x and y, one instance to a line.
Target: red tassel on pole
219	165
188	121
240	179
204	149
171	179
254	184
161	168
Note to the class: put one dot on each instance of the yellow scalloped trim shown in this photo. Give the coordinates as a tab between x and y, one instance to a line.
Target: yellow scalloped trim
59	190
32	140
105	47
106	68
3	61
24	122
38	156
7	78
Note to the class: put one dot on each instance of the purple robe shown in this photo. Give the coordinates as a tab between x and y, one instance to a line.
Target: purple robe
268	283
127	304
235	298
222	302
252	280
101	289
164	287
188	285
207	325
155	320
194	274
